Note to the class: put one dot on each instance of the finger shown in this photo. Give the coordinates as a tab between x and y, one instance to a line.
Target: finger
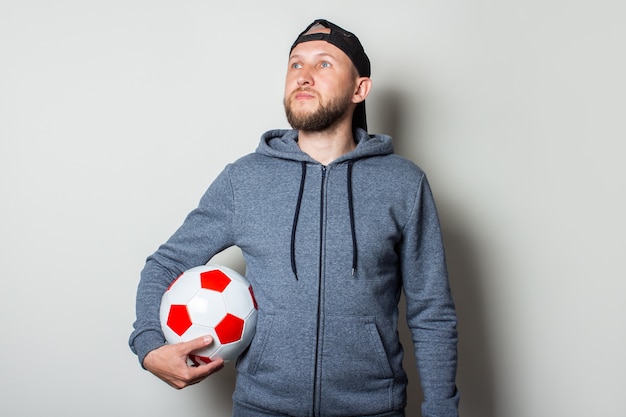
191	375
209	367
197	343
199	373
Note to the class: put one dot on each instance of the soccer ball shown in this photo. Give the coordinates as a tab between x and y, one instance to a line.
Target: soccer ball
210	299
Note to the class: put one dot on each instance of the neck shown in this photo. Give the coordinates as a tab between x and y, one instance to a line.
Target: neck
327	145
325	148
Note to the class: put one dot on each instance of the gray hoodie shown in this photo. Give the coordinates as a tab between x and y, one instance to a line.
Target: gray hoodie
328	251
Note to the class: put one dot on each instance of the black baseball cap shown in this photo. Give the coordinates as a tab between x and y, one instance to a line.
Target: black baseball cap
350	45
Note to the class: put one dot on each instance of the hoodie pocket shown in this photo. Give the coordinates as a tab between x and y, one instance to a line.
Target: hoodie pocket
281	354
354	345
357	375
276	373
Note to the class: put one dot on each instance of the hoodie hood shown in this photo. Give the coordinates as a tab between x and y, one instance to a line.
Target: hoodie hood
283	144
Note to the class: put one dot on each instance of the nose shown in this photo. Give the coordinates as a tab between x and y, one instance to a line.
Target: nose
304	77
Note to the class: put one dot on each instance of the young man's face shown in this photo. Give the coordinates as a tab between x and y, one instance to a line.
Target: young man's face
320	86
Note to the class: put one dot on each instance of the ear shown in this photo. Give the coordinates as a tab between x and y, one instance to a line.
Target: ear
363	87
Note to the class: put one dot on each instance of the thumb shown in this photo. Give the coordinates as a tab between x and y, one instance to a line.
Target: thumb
197	343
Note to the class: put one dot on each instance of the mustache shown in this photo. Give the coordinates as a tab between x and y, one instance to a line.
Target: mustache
307	90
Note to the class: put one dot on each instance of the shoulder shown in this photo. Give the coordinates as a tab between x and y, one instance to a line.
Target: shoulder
392	166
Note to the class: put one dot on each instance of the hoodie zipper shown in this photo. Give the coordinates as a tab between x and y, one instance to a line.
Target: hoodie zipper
317	378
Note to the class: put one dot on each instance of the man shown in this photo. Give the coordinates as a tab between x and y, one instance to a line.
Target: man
332	226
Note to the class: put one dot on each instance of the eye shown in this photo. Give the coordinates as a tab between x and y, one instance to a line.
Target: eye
296	65
325	64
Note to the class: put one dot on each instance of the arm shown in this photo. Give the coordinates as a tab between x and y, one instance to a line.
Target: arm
431	313
206	231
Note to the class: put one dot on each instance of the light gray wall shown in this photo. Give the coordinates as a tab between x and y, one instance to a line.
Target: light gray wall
116	115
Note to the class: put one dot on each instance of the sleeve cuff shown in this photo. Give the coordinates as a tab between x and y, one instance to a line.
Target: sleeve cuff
146	342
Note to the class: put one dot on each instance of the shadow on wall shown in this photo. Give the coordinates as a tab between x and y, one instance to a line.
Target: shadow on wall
475	369
215	393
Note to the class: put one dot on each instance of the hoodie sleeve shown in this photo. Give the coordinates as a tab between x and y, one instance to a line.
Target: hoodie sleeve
206	231
430	309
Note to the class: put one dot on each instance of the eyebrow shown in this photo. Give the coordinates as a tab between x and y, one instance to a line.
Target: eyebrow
321	55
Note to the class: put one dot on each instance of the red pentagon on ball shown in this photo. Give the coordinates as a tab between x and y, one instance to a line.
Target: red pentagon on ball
230	329
214	280
178	319
256	307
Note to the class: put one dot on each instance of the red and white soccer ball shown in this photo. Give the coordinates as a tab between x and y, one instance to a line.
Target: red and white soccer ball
210	299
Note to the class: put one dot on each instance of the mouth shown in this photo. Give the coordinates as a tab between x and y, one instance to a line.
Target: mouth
302	95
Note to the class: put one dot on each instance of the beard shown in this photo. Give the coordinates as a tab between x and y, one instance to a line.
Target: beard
320	119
